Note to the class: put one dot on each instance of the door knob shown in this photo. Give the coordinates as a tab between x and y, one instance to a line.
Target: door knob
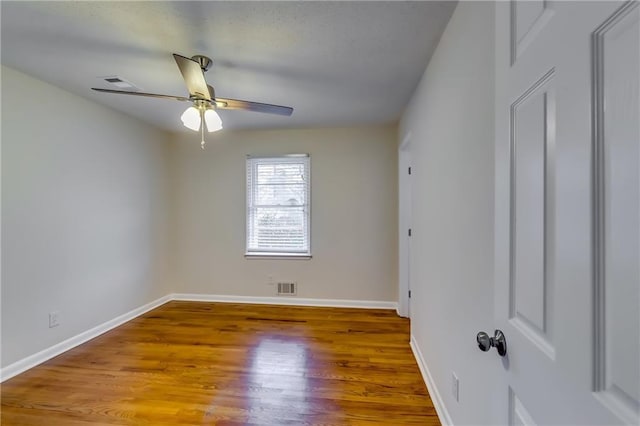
498	341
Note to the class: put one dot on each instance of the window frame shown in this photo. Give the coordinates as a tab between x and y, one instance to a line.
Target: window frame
253	254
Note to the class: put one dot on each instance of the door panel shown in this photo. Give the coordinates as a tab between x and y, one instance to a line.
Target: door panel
567	241
528	19
518	414
532	149
617	220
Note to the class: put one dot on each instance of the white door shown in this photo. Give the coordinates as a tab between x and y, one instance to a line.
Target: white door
567	212
404	240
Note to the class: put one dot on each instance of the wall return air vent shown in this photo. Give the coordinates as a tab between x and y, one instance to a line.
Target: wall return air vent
287	289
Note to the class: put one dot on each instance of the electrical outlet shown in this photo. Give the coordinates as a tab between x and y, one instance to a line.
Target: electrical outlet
455	387
54	319
270	280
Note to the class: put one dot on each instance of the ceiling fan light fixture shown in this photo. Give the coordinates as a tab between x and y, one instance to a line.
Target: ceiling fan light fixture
191	118
201	95
214	123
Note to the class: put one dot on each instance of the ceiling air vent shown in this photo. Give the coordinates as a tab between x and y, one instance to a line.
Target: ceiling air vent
120	83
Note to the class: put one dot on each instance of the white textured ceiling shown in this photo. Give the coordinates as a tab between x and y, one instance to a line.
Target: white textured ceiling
335	63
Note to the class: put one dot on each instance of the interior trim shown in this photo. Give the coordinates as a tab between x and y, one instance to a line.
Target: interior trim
286	300
436	398
276	256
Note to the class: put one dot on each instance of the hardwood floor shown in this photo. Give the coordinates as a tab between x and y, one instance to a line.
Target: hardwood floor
190	363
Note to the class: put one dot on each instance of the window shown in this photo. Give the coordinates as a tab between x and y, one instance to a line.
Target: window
278	206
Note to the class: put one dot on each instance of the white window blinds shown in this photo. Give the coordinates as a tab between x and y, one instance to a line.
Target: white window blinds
278	205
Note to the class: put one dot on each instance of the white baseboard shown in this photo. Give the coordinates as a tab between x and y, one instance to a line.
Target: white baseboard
286	300
401	314
436	398
38	358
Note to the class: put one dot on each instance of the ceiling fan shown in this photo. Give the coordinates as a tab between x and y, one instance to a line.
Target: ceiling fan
203	97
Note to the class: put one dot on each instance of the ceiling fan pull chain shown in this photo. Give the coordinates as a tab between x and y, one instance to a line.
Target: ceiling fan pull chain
202	129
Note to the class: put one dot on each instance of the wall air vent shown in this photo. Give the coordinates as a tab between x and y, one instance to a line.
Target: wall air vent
287	289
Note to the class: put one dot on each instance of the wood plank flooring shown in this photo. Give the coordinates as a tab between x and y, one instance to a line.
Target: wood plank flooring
191	363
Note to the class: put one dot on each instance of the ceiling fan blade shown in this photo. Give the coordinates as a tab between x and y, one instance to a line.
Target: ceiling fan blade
152	95
193	77
254	106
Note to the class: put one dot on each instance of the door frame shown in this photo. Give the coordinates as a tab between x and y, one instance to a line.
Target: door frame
404	224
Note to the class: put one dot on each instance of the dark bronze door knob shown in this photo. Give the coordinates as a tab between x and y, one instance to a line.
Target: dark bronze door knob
498	341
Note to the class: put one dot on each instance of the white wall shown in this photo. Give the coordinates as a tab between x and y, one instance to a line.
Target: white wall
451	122
354	217
84	211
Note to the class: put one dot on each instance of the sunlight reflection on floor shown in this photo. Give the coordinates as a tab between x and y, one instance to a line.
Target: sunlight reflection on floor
278	381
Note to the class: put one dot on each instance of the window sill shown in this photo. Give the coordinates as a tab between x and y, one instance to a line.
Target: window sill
277	256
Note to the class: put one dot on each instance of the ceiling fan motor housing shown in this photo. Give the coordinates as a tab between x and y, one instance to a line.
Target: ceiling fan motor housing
204	61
